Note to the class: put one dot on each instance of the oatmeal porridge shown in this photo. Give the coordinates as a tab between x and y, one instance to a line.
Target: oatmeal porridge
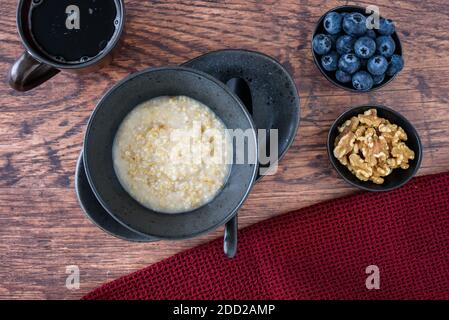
172	154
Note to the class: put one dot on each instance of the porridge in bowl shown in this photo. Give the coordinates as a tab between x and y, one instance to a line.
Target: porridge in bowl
172	154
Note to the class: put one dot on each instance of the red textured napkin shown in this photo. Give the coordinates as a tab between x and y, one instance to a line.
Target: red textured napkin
320	252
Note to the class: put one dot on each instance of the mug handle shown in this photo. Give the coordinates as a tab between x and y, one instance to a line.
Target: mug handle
27	73
230	237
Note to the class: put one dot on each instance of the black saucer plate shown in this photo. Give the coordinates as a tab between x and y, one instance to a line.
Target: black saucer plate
97	214
274	101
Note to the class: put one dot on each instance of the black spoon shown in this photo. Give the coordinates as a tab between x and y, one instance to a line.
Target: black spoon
241	89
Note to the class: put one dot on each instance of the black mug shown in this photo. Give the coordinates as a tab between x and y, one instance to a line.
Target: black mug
65	35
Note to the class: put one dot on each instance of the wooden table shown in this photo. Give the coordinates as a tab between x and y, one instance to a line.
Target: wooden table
43	229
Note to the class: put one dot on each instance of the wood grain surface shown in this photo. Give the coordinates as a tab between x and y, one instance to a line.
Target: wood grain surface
43	229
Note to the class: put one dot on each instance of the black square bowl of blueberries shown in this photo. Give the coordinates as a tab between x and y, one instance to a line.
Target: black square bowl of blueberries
352	56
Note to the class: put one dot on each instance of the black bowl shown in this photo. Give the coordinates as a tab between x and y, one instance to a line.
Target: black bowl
398	177
106	119
330	75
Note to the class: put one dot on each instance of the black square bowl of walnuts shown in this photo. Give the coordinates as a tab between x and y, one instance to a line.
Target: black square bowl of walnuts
353	54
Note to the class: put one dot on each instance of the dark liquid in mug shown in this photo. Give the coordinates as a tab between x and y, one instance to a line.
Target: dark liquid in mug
73	31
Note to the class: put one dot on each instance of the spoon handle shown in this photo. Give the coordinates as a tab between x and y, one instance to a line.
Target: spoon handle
230	238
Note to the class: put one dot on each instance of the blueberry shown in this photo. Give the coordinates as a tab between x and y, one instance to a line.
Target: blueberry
371	34
342	76
365	47
332	22
385	46
386	27
322	44
396	65
377	65
378	79
362	81
345	44
349	63
354	24
330	61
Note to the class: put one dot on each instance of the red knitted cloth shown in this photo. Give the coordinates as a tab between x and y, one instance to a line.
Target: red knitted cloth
320	252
